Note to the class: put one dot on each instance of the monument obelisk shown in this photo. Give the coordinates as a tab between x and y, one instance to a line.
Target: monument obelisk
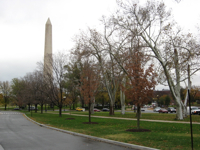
48	48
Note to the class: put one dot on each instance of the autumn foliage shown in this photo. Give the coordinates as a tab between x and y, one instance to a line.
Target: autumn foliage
89	85
141	80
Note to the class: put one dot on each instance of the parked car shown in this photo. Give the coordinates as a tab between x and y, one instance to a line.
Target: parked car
163	110
32	108
156	109
195	111
171	109
192	108
105	109
135	108
96	110
80	109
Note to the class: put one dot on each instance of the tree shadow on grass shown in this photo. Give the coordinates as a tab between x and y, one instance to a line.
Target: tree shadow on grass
90	123
69	118
138	130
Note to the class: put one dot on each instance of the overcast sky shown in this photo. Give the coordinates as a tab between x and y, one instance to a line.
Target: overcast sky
22	28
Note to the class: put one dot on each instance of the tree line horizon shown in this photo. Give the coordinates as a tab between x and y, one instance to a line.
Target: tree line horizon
138	47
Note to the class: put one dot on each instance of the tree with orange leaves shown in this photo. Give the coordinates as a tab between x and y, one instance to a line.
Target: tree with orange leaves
139	87
89	84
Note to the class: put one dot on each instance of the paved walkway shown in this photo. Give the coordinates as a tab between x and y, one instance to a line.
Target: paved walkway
136	119
17	133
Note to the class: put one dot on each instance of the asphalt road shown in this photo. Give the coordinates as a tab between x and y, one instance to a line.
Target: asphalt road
17	133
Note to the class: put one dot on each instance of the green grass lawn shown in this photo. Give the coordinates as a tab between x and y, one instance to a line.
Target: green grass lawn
165	136
151	116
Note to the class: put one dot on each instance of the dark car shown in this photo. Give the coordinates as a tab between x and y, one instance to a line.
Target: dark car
162	110
105	109
171	109
96	110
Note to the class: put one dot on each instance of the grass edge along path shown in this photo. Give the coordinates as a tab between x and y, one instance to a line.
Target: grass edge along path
135	119
122	144
130	115
163	136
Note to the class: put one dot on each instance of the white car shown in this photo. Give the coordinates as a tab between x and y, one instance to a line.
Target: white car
156	109
192	108
195	111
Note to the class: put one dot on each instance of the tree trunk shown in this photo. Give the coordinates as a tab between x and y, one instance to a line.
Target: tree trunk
92	108
111	108
179	111
5	106
45	105
41	108
29	105
138	116
89	112
184	106
175	89
122	99
82	103
60	111
35	108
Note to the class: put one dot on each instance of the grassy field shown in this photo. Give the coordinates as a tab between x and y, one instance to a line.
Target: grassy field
151	116
165	136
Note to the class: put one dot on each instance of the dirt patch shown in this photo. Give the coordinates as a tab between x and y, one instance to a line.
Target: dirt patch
90	123
69	118
138	130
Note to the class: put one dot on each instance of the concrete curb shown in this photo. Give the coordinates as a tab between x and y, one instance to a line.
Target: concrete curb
93	137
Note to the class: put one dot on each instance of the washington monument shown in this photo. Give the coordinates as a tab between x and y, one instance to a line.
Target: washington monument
48	48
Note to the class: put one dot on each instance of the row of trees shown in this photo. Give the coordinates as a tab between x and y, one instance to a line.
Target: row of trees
136	30
121	57
164	100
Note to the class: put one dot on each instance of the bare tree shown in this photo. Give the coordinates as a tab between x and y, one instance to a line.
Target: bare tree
168	45
122	95
89	85
29	90
72	78
38	88
95	45
54	81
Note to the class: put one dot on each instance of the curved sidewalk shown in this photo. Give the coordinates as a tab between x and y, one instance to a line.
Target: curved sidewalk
136	119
